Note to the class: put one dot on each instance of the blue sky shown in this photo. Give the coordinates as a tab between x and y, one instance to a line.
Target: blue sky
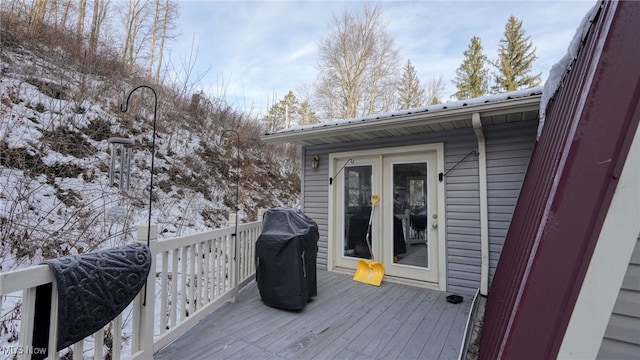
254	52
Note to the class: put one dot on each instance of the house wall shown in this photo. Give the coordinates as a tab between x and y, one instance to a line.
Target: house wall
536	308
622	337
508	150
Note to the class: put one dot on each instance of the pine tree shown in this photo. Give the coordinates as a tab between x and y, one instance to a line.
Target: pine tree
306	115
472	77
290	105
516	55
411	94
289	112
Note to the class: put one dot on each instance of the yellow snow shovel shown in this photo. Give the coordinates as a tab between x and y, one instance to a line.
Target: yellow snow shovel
369	271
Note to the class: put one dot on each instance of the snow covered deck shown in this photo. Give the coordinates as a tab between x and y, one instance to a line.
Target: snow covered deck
347	319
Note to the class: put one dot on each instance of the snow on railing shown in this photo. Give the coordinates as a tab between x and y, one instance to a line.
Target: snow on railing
190	277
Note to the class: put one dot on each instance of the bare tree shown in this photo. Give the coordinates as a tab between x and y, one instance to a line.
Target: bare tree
100	8
434	89
183	75
359	65
37	14
164	19
82	6
52	14
155	26
133	24
65	14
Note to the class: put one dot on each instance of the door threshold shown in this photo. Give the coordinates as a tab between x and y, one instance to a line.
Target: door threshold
393	279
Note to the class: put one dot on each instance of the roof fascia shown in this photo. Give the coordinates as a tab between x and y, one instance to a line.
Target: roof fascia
406	120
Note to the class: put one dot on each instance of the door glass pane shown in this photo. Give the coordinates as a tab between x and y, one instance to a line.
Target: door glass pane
357	209
410	214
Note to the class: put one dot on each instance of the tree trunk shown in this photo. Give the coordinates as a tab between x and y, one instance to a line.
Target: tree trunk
82	6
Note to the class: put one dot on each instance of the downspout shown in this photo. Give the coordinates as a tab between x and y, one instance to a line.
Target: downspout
484	207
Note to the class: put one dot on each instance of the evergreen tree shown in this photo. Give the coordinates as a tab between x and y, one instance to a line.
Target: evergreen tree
306	115
472	77
274	119
516	55
289	112
279	114
411	94
290	106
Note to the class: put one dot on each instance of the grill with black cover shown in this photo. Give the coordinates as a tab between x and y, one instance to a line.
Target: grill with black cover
286	253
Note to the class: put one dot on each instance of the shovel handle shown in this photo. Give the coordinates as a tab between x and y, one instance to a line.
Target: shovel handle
374	200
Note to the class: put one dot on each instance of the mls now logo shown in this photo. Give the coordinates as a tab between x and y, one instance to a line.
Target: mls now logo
21	350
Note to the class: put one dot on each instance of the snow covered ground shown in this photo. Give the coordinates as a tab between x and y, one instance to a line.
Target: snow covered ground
55	195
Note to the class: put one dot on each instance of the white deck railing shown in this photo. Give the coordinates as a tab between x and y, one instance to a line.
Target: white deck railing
190	277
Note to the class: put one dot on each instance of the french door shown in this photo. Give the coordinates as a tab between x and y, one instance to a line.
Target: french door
359	178
410	216
403	230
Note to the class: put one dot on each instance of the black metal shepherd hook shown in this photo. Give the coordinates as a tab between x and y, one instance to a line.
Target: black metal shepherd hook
236	245
153	146
237	171
153	150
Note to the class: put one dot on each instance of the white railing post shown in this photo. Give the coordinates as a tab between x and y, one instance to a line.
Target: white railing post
144	305
53	323
25	340
230	264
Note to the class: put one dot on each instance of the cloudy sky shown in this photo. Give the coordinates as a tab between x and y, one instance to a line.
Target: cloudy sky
254	52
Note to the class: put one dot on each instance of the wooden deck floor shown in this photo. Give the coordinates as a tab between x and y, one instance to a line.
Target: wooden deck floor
347	320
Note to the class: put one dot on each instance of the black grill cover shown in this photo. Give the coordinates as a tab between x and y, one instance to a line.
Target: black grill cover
286	258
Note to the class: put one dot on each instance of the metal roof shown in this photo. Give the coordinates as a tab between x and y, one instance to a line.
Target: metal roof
521	105
573	173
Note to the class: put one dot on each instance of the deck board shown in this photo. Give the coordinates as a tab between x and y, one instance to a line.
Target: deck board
347	320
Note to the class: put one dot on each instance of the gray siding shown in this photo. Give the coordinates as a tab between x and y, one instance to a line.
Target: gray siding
622	337
315	198
508	150
462	199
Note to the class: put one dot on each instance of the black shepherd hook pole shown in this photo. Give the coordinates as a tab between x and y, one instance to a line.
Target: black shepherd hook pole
153	150
153	146
237	170
236	246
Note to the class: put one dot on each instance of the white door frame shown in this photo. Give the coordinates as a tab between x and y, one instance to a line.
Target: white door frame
335	236
337	224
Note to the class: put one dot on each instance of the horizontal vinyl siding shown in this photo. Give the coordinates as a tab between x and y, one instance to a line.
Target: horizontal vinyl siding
315	199
462	191
462	202
622	337
508	152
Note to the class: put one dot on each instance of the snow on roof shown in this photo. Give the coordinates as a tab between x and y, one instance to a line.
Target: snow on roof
426	109
562	67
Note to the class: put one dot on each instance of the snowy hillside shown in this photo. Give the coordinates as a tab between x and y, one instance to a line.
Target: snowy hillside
55	123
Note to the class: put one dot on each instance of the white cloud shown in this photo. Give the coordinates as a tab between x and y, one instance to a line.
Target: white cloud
304	51
266	48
